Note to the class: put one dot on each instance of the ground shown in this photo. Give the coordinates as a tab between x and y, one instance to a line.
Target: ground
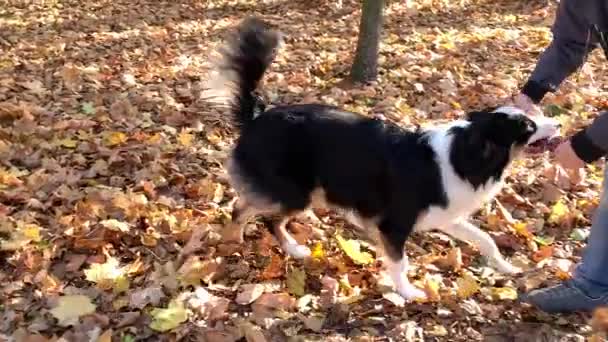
113	198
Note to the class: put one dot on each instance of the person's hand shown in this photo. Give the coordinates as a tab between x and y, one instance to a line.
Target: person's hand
566	157
526	104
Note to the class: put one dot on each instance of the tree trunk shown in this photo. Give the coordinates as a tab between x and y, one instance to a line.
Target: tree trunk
365	65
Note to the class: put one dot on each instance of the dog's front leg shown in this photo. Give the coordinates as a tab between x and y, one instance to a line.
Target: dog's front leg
465	231
393	233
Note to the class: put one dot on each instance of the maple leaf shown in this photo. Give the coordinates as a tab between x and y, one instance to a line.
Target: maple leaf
70	308
169	318
352	248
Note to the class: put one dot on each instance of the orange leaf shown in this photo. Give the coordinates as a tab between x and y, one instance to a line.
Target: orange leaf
543	253
274	269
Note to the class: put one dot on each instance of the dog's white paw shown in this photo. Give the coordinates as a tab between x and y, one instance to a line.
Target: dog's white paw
505	267
410	292
296	251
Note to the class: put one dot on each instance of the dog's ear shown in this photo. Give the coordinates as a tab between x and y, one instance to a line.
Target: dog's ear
480	137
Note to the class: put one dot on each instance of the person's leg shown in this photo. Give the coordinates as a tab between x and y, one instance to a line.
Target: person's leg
591	274
589	286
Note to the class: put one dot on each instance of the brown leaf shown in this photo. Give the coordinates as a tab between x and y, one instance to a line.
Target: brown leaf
249	293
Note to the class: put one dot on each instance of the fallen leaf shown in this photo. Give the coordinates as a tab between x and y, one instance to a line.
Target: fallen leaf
467	286
317	251
452	260
208	306
579	234
544	240
185	139
169	318
106	336
314	323
70	308
599	319
147	296
88	108
543	253
559	211
431	288
249	293
394	298
352	248
108	276
295	281
112	139
115	225
503	293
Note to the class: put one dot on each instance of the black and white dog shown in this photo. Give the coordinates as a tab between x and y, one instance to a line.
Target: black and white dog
388	179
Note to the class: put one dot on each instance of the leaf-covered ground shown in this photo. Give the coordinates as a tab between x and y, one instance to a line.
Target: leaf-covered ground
112	194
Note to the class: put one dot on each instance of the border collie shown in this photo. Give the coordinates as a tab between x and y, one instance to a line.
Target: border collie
388	179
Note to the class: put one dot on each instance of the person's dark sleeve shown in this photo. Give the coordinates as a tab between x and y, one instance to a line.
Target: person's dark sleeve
572	41
591	143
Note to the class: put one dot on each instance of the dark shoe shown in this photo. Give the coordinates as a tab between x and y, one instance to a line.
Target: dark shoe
566	297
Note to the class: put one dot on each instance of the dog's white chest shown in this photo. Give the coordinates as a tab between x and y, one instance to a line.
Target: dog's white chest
463	198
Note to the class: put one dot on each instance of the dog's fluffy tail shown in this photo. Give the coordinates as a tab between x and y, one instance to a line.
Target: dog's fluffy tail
243	60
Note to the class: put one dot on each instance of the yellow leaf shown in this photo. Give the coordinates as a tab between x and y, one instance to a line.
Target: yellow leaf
31	232
67	142
521	228
296	282
431	288
10	178
504	293
169	318
114	138
70	308
317	251
108	276
154	139
106	336
558	212
352	248
185	138
23	234
467	286
214	137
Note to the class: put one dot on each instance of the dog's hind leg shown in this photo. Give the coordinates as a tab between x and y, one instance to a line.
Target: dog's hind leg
286	240
465	231
242	212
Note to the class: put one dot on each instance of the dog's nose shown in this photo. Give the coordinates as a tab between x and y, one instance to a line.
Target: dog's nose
559	125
